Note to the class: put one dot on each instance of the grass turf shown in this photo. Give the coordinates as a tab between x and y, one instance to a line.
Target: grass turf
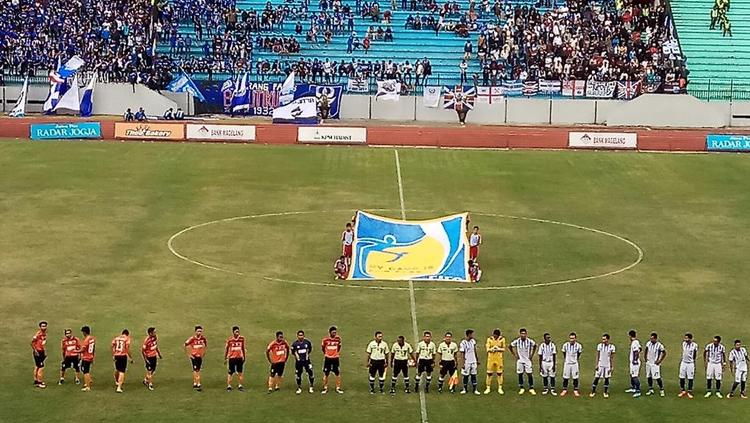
85	225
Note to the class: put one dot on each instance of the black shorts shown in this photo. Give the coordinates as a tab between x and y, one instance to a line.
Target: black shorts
303	366
447	367
235	365
425	365
121	363
39	358
86	366
197	363
151	364
377	367
331	365
277	369
400	366
70	362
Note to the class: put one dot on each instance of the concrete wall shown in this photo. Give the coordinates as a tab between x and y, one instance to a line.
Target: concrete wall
669	110
528	110
114	99
573	112
740	113
355	107
401	110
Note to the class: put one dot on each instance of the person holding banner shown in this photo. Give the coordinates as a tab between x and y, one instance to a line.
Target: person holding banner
461	109
324	107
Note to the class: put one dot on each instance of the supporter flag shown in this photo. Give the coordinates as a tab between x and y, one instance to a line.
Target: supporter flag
56	90
672	87
184	84
287	90
488	95
573	88
600	89
87	100
241	96
651	85
388	90
431	96
513	87
357	85
302	110
549	87
334	93
459	97
55	78
20	108
70	67
627	90
530	88
70	100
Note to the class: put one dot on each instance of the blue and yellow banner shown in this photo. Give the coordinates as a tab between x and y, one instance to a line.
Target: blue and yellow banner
390	249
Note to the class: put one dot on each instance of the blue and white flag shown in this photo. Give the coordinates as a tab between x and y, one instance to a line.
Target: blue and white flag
333	92
240	98
70	67
19	110
70	100
87	100
183	84
302	110
56	90
287	90
513	87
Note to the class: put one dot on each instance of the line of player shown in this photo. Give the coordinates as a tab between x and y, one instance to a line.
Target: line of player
448	355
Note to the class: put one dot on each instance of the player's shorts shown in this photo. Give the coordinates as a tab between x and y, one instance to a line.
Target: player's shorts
605	372
425	365
687	370
653	371
331	365
303	366
469	369
400	367
70	362
524	367
740	376
197	363
473	252
86	366
151	364
39	358
635	370
571	371
714	371
447	367
347	251
377	367
236	365
121	363
495	365
277	369
547	369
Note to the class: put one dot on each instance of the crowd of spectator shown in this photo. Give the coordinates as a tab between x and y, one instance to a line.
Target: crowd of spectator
719	14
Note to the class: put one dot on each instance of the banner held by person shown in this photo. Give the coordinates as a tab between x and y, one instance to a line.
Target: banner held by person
388	90
302	110
431	96
184	84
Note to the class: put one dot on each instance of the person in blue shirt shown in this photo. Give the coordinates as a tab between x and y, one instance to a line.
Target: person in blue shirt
140	115
301	349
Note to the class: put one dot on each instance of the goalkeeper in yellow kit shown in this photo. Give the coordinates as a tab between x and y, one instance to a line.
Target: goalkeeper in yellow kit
495	348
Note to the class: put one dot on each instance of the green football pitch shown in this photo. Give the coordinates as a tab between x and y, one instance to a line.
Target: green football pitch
85	240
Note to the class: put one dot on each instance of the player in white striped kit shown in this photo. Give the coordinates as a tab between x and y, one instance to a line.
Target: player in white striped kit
635	365
572	353
687	365
547	364
605	364
714	355
655	354
738	365
523	348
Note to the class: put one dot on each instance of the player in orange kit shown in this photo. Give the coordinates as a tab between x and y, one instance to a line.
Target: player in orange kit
234	354
37	348
150	352
195	348
331	346
70	347
88	347
121	354
277	354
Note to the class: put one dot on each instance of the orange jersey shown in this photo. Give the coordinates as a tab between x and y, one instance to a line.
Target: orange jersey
331	346
236	347
121	346
150	347
71	346
87	348
39	340
278	351
197	346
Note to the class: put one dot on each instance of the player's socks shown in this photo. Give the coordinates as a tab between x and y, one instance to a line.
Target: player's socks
381	383
650	381
565	384
660	383
474	382
734	388
545	382
690	385
708	384
682	384
575	384
593	385
718	386
531	381
552	383
520	380
466	382
372	384
637	384
393	383
606	385
427	384
406	384
742	387
488	381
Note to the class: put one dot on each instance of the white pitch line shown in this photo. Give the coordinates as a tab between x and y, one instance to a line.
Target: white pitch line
412	299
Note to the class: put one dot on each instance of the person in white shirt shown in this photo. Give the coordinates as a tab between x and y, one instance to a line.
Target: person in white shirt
572	353
655	354
635	365
687	365
605	364
715	358
547	366
468	354
738	365
523	349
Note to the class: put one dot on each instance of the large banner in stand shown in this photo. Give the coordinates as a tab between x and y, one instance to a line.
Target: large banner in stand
231	133
331	135
614	140
150	131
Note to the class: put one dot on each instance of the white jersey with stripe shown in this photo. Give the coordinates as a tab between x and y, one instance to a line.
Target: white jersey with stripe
605	354
547	352
653	351
635	352
715	353
523	348
469	348
571	352
689	352
739	358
